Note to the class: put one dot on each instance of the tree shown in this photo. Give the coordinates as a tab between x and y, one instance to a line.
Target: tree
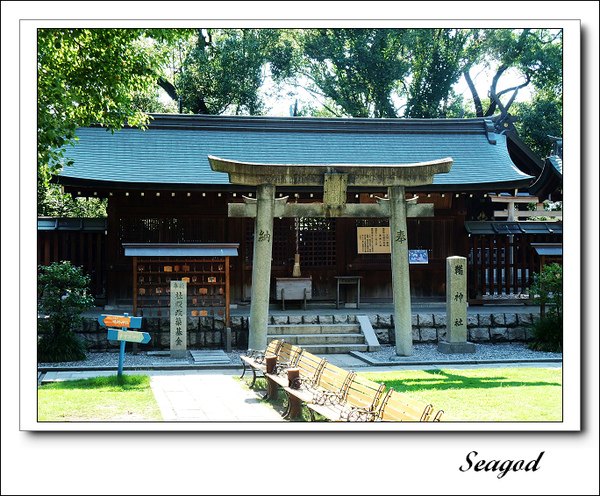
358	70
437	57
379	72
224	71
62	298
534	54
52	202
539	119
91	77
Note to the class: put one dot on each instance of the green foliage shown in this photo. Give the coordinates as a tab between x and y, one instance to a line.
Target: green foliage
224	71
90	77
538	119
534	55
377	72
62	298
358	69
436	58
548	329
53	203
547	332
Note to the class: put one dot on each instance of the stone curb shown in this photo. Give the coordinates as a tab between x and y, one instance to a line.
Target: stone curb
408	361
355	354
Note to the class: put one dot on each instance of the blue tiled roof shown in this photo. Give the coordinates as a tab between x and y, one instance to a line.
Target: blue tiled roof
174	149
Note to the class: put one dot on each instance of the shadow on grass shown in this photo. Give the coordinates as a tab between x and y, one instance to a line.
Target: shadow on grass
441	380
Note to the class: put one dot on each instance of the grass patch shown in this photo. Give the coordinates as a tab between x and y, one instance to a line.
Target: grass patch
108	398
483	395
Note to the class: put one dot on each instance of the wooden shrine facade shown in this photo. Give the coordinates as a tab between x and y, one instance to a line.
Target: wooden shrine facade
328	247
160	190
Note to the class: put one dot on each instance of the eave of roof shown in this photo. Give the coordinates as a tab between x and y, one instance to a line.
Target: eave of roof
549	180
181	249
513	227
173	151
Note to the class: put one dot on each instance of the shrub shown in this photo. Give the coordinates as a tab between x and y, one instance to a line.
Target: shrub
548	329
62	298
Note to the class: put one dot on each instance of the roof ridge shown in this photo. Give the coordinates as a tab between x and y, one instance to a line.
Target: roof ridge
273	123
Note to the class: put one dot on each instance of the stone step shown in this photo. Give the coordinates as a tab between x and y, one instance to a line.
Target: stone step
324	339
319	349
285	329
210	357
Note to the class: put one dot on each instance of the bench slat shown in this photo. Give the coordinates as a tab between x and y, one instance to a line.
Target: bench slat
396	407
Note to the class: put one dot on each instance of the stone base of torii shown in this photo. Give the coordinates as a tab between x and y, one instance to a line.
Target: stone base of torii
334	179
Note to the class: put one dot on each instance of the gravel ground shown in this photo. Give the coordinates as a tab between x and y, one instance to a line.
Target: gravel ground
421	353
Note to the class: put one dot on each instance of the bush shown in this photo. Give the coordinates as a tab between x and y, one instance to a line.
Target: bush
547	333
548	329
62	298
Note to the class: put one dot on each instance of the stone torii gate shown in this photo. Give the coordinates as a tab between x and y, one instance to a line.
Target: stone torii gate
334	179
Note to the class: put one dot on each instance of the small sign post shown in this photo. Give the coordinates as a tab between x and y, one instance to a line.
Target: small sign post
123	335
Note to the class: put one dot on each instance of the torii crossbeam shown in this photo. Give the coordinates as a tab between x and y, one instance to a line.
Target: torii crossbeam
334	179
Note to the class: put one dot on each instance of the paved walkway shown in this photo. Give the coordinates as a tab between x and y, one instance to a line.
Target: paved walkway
215	395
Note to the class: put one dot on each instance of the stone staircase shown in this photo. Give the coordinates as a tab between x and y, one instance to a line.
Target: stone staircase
327	338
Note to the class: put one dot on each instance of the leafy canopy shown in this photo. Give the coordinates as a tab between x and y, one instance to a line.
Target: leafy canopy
90	77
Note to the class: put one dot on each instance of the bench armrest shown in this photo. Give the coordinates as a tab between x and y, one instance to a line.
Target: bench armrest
305	383
327	398
358	414
257	355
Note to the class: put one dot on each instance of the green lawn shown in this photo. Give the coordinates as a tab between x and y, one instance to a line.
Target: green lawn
484	395
128	397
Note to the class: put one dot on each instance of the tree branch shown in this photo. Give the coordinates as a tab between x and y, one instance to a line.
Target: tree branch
476	99
168	87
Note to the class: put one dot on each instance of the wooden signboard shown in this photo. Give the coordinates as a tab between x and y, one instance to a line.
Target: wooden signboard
373	240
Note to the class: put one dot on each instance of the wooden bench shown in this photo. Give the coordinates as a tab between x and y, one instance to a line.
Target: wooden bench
304	376
359	403
277	377
255	360
327	387
441	416
396	407
335	393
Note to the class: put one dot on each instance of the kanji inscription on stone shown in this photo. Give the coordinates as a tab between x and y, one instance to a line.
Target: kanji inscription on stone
264	235
456	301
178	319
400	236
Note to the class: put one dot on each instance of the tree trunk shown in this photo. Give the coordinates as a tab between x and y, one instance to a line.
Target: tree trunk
476	99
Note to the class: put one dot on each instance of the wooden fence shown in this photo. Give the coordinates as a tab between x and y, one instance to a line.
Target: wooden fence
503	265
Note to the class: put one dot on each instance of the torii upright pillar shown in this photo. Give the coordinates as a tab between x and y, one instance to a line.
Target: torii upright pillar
261	268
334	179
400	271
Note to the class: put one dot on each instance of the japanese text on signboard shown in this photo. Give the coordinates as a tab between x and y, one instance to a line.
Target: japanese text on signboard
373	240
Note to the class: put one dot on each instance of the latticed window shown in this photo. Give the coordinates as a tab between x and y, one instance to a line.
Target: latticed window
316	241
313	238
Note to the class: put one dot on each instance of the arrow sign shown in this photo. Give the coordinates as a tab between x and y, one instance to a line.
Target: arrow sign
130	336
120	321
